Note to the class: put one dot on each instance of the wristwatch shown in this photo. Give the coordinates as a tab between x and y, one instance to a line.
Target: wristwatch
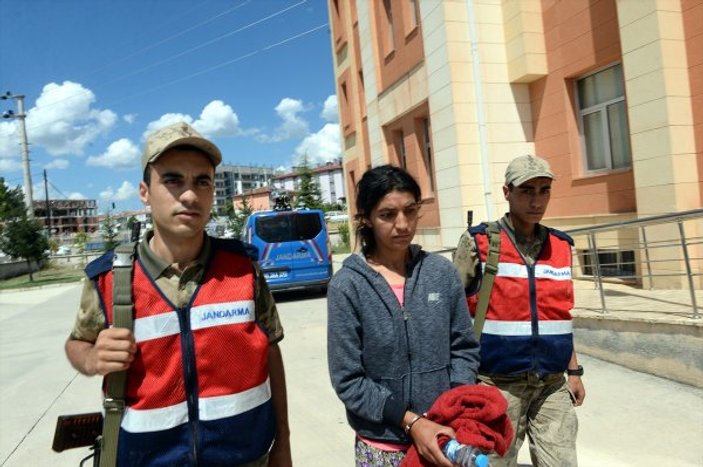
576	372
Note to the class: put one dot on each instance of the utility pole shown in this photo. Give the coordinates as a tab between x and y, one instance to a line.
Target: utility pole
20	115
48	207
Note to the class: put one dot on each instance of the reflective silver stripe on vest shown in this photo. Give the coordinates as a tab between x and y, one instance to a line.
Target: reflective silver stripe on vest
211	408
524	328
204	316
542	271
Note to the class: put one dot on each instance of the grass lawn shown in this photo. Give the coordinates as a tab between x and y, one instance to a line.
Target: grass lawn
340	248
48	275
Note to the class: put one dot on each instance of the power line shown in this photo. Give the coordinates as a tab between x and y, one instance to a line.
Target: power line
200	46
221	65
180	54
172	37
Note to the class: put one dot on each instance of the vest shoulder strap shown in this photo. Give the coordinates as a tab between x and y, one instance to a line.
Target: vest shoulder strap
122	316
236	246
489	275
561	235
99	265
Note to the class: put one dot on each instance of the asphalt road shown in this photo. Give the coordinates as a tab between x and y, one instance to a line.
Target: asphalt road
629	418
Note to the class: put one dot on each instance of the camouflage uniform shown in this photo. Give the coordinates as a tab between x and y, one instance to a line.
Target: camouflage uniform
557	446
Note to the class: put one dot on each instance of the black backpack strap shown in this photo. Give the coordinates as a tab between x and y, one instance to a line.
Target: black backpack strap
122	317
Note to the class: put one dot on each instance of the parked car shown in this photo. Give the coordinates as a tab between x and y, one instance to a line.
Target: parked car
63	250
294	248
336	216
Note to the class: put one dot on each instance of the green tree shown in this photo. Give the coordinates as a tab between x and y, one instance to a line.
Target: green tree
53	245
11	203
80	240
237	218
309	195
109	232
23	237
344	234
20	236
130	222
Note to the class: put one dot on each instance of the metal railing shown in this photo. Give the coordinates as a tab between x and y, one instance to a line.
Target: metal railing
625	251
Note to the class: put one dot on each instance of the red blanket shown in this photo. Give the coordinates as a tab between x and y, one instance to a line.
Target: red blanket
477	415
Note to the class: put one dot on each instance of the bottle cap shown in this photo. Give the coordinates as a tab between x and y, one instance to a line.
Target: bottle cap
481	460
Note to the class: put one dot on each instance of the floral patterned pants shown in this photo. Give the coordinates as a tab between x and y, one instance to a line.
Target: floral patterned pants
369	456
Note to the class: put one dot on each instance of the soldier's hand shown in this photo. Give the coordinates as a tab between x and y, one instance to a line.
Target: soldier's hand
113	350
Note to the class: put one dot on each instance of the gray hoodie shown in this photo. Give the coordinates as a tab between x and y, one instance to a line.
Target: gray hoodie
385	359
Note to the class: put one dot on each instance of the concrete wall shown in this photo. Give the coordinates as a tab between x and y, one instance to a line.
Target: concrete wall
17	268
668	350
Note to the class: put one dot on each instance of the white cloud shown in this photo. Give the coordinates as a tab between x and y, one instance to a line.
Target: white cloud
76	195
320	147
293	125
124	192
39	192
329	110
129	118
166	120
9	165
58	164
9	140
120	154
63	121
216	119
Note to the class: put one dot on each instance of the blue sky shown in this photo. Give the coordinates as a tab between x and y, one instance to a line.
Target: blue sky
255	76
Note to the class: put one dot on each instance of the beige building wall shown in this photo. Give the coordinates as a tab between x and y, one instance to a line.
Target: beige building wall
480	120
494	92
659	106
662	135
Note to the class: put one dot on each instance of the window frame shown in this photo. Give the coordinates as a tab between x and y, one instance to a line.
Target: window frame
426	150
602	109
389	33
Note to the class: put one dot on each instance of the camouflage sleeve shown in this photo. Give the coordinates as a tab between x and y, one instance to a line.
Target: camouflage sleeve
90	319
465	259
265	306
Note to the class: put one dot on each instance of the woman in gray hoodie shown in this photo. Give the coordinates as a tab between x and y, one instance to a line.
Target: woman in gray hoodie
399	332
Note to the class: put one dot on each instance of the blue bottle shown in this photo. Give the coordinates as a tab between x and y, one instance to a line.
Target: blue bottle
463	455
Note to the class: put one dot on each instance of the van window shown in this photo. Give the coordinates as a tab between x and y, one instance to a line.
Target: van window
288	227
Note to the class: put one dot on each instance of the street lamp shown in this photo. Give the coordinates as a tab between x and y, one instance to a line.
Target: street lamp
20	115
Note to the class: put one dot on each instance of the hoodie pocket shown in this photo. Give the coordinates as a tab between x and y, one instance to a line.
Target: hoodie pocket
427	386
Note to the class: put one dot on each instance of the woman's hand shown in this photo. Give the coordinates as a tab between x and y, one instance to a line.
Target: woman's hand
424	433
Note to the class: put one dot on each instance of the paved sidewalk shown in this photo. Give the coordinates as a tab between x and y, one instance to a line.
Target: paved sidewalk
672	306
629	418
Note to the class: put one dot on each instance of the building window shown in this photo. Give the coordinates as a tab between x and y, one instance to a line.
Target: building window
390	39
426	146
603	116
400	152
412	16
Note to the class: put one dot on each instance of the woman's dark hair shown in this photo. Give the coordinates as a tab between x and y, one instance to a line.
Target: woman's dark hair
373	186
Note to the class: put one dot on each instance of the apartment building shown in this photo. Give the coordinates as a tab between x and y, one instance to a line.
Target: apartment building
609	91
329	177
231	180
67	216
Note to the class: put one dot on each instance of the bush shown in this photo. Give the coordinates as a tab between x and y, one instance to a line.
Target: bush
344	234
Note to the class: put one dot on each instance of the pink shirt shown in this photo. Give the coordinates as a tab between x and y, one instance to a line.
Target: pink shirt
398	290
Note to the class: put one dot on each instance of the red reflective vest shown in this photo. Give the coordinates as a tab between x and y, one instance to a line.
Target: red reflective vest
528	322
198	391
